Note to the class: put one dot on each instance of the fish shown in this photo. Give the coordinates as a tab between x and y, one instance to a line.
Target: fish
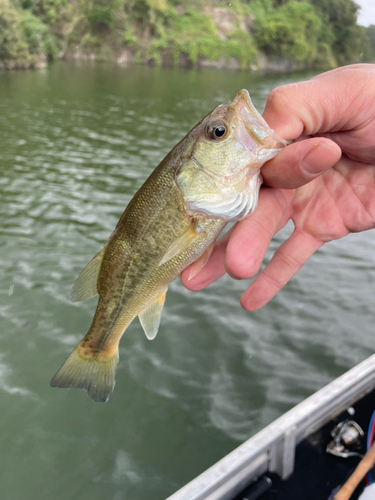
212	176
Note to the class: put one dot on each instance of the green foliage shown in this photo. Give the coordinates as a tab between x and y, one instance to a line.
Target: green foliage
195	36
101	14
340	17
242	47
193	23
370	32
148	14
130	37
90	41
13	45
312	32
39	39
292	31
365	49
160	5
156	50
48	11
262	8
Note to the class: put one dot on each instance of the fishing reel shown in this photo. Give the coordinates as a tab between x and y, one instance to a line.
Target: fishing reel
347	437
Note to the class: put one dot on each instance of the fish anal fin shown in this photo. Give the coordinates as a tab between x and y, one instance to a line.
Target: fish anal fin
150	317
89	370
180	244
85	285
199	264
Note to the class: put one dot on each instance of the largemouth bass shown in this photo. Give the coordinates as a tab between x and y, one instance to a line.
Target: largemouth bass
211	177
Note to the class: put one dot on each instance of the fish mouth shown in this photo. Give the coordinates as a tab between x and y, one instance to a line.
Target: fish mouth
254	137
254	123
253	132
243	96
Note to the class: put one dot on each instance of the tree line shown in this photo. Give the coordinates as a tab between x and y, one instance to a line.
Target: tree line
315	33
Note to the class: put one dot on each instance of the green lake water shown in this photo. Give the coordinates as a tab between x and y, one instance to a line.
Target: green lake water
76	142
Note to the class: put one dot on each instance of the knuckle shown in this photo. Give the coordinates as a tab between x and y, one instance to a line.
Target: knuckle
290	261
238	270
235	268
279	97
273	282
246	263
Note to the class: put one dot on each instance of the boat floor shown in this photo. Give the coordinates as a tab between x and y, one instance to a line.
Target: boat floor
316	472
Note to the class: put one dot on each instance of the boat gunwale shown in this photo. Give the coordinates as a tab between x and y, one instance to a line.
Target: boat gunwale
273	448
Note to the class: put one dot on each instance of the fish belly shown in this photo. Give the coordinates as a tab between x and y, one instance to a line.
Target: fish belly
132	277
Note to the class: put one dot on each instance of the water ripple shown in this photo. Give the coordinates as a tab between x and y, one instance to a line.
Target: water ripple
77	142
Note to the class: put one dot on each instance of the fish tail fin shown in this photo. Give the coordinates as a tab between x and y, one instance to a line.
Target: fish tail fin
89	369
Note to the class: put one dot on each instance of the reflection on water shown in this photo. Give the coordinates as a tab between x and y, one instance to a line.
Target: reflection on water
76	143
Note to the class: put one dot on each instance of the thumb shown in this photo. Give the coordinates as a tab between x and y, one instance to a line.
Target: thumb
300	163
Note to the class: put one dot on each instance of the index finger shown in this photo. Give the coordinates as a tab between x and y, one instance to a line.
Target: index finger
333	101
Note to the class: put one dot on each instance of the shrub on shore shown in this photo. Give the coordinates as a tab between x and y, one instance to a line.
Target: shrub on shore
182	32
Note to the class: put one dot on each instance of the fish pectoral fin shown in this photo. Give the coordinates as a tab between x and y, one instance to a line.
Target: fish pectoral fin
180	244
199	264
150	317
85	285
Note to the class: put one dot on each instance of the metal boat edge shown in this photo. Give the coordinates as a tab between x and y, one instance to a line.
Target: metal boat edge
273	448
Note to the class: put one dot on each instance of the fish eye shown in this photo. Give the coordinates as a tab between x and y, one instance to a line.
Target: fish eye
216	131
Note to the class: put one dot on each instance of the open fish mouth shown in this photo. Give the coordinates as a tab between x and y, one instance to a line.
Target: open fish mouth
227	186
255	124
253	132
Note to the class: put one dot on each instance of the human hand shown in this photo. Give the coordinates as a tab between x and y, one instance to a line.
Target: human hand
326	195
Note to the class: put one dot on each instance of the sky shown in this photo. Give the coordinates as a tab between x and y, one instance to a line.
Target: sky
367	12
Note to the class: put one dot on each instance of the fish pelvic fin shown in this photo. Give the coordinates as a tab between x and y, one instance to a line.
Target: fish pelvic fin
150	317
85	285
90	370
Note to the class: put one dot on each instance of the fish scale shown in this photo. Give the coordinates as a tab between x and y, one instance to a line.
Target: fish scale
210	177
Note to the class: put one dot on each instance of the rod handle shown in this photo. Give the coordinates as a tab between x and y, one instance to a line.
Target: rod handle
367	462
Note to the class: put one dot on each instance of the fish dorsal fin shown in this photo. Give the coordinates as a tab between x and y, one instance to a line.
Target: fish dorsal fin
180	244
150	317
85	285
